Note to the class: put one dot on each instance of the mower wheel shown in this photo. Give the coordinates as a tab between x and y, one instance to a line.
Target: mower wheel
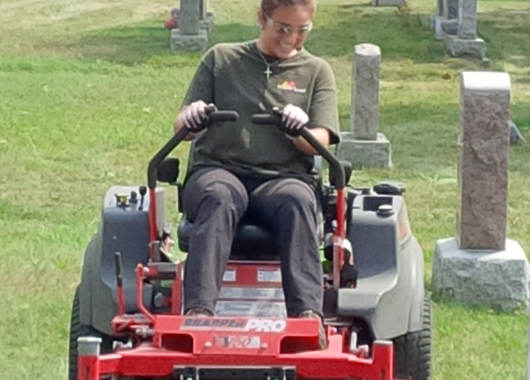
77	329
412	351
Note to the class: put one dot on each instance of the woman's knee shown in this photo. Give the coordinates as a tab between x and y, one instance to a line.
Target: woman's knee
225	193
215	189
295	193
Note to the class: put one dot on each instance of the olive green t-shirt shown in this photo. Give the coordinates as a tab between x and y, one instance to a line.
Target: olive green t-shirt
232	76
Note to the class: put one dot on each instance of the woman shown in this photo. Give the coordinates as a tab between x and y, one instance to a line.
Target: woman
241	167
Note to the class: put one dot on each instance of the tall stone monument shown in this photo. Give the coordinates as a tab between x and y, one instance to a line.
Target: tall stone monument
365	147
466	41
480	266
189	36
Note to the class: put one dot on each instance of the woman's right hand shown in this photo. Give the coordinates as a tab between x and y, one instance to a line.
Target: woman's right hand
192	117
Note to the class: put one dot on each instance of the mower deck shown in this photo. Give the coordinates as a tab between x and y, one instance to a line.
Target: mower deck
222	348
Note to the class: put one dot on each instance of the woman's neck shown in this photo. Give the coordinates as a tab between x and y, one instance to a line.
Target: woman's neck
261	46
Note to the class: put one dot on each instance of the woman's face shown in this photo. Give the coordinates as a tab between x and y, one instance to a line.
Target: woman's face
285	30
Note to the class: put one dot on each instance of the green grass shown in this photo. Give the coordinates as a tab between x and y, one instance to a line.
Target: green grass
89	91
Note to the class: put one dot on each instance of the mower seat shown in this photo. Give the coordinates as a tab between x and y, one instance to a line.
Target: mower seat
251	242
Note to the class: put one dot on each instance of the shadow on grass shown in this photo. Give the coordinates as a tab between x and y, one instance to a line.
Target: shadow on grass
147	42
142	42
398	36
339	28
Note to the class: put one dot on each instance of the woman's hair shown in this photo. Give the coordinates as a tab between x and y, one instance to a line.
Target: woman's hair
268	6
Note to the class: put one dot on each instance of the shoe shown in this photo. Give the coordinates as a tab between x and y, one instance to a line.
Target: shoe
198	312
322	339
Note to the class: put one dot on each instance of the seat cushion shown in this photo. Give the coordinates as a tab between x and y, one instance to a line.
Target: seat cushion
252	242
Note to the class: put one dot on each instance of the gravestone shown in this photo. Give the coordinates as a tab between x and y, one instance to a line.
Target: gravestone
480	266
206	16
447	19
438	18
483	169
189	36
467	20
450	9
440	8
466	42
364	146
450	22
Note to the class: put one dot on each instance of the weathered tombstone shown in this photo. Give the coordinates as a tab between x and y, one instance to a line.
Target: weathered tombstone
364	147
206	17
450	22
446	22
480	267
438	18
203	6
450	9
189	36
364	119
440	8
466	42
467	20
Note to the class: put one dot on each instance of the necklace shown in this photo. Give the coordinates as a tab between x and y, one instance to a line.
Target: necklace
267	72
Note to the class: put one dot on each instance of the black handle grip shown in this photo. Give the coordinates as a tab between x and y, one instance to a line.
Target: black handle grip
266	118
212	114
223	116
210	109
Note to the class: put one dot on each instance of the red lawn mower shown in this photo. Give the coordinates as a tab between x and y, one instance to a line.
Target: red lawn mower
127	316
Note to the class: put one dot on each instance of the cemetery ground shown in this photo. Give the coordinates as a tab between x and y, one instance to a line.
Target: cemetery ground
89	91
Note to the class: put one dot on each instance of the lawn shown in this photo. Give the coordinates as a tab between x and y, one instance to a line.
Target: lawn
89	91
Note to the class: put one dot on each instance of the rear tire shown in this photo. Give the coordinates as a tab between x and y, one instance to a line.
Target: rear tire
412	351
77	329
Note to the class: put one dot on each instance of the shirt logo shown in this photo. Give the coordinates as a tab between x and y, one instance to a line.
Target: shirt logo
290	85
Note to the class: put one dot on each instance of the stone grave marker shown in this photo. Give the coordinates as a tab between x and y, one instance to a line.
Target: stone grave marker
480	266
364	146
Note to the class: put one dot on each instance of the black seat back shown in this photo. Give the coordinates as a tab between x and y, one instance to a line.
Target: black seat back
251	242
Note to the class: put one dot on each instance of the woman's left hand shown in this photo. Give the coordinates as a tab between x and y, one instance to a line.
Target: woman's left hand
294	120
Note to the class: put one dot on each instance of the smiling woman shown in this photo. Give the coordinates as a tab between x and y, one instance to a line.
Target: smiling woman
278	18
265	173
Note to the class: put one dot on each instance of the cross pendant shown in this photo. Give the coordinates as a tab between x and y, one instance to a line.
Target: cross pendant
268	72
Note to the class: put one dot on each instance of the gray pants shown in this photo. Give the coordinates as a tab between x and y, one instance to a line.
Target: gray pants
215	200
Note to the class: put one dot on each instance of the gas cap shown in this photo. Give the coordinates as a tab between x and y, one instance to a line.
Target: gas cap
385	210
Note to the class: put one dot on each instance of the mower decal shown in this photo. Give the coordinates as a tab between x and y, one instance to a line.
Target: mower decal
213	324
269	275
237	341
251	293
235	308
229	275
266	325
219	324
271	310
256	309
